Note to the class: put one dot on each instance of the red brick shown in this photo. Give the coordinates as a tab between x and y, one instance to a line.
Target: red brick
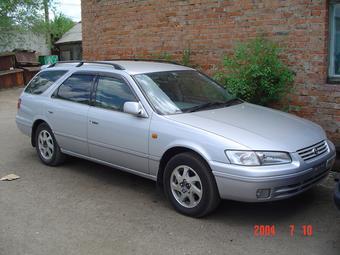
145	29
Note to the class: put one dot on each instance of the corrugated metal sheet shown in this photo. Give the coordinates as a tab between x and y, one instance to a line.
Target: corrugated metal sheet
73	35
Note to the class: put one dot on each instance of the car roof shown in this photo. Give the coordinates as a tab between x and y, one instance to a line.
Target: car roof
138	67
129	66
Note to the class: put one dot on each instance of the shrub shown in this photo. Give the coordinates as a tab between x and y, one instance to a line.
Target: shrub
186	57
186	61
256	73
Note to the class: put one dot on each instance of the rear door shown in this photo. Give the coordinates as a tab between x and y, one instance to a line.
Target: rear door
31	99
114	136
68	111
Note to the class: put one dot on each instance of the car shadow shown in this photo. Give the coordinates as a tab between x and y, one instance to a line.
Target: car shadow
267	212
111	176
239	212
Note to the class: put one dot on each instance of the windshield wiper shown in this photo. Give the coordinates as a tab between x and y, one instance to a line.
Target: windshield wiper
233	101
213	104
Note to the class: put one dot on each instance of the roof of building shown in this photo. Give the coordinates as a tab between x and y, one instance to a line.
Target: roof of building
73	35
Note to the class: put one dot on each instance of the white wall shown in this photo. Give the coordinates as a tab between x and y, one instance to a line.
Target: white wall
26	40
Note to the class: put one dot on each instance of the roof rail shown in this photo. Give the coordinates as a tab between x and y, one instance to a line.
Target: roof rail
80	63
63	62
147	60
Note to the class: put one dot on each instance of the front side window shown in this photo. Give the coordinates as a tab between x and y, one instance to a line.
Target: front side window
112	93
182	91
43	81
77	88
334	63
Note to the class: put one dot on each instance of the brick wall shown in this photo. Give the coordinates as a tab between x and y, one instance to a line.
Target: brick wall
210	28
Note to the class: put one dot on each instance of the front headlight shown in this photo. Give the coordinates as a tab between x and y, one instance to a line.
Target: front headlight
273	157
258	158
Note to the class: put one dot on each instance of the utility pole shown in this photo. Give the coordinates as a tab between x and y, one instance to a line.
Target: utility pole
47	22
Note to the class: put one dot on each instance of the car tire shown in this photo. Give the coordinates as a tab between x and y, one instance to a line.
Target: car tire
47	147
190	185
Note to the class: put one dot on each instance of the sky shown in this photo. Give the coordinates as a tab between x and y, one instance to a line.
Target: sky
71	8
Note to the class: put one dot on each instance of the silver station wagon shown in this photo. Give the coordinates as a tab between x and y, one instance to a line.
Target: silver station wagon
176	126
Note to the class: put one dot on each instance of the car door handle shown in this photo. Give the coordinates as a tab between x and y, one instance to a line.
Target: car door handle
94	122
50	112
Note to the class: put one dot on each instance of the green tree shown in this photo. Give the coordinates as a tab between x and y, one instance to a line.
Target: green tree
19	13
34	15
59	26
56	27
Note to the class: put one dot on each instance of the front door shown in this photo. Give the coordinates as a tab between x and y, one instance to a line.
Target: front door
114	136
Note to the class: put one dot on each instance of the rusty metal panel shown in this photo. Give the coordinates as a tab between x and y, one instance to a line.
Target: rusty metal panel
7	61
26	58
11	78
29	72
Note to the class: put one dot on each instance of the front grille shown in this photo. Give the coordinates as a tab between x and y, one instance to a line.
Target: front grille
313	151
289	190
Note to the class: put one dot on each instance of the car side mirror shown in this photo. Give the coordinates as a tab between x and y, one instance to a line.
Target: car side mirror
134	108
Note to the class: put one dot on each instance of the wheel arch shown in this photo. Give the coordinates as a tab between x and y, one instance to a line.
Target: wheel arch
170	153
35	125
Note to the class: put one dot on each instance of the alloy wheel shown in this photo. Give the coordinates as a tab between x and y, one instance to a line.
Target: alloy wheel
46	145
186	186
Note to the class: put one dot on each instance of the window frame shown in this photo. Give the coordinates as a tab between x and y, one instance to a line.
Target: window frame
114	76
96	75
331	76
56	91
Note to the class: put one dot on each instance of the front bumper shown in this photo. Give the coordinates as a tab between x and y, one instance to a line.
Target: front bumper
243	183
337	195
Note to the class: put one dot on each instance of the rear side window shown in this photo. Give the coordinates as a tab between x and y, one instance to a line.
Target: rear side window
77	88
43	81
112	93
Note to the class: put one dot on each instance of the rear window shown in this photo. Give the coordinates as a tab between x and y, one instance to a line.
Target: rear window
43	81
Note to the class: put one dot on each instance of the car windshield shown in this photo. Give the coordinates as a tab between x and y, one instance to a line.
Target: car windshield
183	91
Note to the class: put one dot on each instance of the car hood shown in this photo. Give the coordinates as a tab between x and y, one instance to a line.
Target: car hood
255	127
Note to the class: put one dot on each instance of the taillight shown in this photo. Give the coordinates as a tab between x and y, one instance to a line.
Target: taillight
19	103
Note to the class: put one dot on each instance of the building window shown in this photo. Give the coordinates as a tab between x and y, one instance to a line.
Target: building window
334	22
